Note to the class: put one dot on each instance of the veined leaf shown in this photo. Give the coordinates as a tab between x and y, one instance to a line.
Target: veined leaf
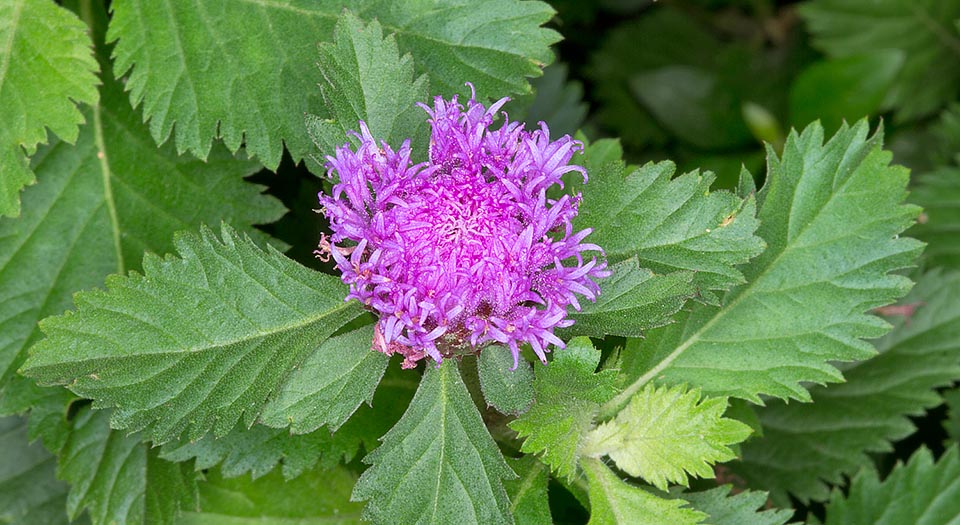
615	502
938	192
725	508
29	490
923	30
195	343
919	492
365	78
808	446
528	494
46	68
439	463
568	393
509	391
188	67
831	215
319	497
118	478
663	435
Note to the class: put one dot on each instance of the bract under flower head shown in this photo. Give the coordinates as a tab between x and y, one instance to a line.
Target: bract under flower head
465	250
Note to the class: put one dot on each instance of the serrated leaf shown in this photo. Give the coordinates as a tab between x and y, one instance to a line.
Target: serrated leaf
831	215
46	69
118	479
665	434
329	385
365	78
632	300
195	343
212	70
568	393
808	446
29	490
671	224
919	492
318	497
923	30
509	391
726	508
439	463
528	494
938	193
615	502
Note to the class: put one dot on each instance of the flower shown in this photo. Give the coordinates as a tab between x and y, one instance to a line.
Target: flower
464	250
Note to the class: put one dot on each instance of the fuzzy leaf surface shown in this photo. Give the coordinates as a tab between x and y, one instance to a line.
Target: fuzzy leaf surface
808	446
196	79
743	508
438	464
616	502
29	489
666	434
528	494
195	343
921	491
509	391
568	393
46	68
831	214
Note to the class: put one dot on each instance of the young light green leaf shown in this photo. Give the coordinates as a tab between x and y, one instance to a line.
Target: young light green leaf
665	434
439	463
725	508
509	391
46	69
118	478
938	193
207	338
831	215
568	394
318	497
919	492
808	446
923	30
29	490
671	224
329	385
365	78
528	494
616	502
188	68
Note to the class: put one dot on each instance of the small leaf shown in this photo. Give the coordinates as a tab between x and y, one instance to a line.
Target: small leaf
47	70
664	434
30	493
726	508
568	395
509	391
439	463
615	502
528	494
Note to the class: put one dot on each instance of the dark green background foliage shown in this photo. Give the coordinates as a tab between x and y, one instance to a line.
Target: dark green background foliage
776	185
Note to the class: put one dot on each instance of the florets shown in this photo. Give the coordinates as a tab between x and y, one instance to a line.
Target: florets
464	250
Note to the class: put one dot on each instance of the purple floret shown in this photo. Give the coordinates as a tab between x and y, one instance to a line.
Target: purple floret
465	250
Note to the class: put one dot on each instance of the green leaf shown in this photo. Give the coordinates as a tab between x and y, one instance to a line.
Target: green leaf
922	30
30	493
847	88
557	100
616	502
528	494
329	385
195	343
118	478
671	224
831	215
439	463
663	435
568	394
938	192
808	446
46	69
364	78
725	508
509	391
632	300
246	72
952	423
318	497
919	492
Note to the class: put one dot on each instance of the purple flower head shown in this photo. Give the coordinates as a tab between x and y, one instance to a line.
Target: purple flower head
465	250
